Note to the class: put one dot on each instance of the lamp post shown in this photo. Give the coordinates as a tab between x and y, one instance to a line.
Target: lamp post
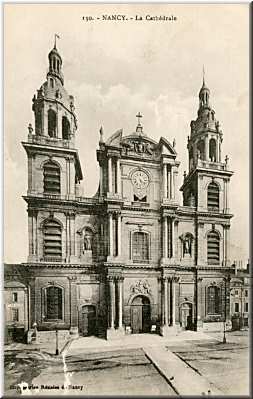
56	341
226	280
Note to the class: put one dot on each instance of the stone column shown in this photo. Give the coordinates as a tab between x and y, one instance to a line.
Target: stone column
169	302
228	244
217	150
172	236
175	185
162	300
206	148
119	234
166	302
120	287
112	302
67	237
101	180
227	195
172	182
72	235
165	181
44	120
71	177
165	237
110	175
118	177
59	124
110	235
73	305
169	181
173	301
34	246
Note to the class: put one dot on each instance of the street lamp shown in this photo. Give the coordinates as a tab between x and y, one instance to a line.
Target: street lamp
56	341
226	280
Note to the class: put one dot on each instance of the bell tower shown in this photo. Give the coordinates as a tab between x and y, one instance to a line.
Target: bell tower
206	185
54	170
205	139
53	108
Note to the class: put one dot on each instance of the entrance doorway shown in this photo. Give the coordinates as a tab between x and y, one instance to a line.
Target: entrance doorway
186	316
140	315
87	320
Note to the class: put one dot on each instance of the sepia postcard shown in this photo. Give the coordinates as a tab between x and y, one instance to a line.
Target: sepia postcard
126	199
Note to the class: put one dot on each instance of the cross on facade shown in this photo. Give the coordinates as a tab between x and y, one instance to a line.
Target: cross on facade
139	128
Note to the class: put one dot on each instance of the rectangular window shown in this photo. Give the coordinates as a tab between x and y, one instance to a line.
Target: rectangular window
14	314
246	307
236	307
246	292
14	297
236	292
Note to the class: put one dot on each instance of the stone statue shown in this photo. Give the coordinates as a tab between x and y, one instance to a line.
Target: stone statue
187	246
87	243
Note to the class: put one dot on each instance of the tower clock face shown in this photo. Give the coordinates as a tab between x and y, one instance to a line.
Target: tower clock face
140	179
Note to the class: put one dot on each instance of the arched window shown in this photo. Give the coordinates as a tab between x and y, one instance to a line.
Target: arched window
52	178
53	303
140	247
201	149
213	300
65	128
52	240
212	150
213	248
51	115
213	196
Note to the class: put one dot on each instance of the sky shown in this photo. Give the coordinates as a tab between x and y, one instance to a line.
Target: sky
116	69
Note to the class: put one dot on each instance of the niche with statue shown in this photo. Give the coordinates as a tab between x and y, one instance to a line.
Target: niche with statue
186	246
86	244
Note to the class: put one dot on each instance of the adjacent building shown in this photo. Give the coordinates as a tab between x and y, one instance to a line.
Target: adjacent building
131	259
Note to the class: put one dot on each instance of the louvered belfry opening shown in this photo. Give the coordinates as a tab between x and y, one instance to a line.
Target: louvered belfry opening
52	241
213	196
213	248
52	178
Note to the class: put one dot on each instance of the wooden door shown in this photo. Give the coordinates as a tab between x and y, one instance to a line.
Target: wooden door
140	315
146	318
88	320
136	317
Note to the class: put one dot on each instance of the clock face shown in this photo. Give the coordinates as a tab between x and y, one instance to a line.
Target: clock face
140	179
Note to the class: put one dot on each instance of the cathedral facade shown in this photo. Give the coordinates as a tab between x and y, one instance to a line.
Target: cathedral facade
131	259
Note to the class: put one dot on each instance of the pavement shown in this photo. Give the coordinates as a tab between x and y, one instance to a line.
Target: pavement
180	375
133	341
156	348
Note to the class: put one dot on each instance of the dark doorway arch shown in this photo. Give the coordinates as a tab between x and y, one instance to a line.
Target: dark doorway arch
186	316
140	315
87	320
